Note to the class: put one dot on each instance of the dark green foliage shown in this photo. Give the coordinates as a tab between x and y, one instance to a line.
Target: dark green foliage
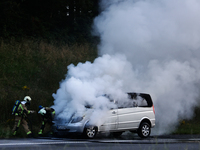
67	20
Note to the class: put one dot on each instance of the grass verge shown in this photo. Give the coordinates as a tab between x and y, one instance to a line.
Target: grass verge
34	68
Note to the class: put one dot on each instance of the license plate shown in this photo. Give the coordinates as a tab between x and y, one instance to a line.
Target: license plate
61	127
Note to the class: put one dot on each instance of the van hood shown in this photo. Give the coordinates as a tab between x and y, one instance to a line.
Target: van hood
87	113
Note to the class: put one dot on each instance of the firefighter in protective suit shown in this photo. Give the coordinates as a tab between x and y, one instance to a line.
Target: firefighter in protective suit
21	116
47	115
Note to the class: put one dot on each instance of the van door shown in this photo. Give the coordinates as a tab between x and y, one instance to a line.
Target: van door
129	118
111	121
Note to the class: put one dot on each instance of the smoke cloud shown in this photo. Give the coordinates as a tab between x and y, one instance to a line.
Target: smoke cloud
149	46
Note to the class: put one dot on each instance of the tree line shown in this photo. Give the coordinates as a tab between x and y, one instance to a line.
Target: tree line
49	19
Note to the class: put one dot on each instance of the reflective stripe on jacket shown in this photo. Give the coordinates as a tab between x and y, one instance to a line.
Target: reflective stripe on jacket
22	110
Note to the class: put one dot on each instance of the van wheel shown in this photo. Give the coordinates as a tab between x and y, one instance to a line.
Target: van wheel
90	132
144	130
116	134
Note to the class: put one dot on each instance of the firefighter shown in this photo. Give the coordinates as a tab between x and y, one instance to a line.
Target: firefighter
47	115
21	116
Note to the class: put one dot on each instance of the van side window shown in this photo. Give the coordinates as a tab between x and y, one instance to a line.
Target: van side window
133	100
125	104
140	100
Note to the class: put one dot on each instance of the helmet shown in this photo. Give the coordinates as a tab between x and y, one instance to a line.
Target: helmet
40	107
27	98
42	111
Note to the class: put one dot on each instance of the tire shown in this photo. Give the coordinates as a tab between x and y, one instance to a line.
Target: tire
117	134
90	132
144	130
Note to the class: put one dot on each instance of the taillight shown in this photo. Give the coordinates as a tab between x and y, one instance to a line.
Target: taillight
153	109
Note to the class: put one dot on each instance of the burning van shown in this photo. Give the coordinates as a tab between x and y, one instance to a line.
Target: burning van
136	116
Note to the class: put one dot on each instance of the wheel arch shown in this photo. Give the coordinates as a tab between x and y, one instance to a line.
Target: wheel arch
90	125
145	120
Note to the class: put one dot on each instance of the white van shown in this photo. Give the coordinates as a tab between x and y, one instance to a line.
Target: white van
138	116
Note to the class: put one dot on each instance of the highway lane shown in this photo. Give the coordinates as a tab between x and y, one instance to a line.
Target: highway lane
102	143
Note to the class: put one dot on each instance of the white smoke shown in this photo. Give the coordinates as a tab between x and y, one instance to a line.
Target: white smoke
149	46
86	84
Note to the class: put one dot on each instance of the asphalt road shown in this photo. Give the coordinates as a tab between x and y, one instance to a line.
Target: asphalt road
167	142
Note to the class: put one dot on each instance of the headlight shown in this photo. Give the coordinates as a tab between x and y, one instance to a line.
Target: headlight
77	119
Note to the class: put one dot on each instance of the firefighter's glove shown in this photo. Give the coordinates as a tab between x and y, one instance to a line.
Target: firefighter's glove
32	111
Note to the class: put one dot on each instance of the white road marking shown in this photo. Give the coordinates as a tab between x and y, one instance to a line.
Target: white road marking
50	142
197	139
43	143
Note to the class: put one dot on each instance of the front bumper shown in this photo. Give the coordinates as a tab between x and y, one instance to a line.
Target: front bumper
69	128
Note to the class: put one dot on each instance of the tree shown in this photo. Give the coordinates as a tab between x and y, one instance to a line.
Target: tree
47	18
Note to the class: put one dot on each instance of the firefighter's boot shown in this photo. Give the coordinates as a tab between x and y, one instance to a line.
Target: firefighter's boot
40	133
14	133
29	134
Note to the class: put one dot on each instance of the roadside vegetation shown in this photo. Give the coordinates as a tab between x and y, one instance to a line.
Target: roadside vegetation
190	126
35	68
